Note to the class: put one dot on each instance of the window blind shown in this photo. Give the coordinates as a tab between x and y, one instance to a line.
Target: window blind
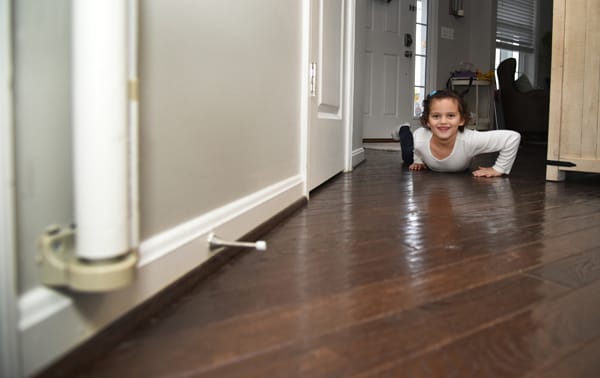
515	25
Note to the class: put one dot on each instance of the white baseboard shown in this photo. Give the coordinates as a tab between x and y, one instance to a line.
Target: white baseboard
53	322
358	156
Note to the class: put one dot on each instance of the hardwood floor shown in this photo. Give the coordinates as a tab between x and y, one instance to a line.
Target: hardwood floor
389	273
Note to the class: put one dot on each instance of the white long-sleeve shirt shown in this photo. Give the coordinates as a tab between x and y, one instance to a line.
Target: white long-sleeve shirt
469	143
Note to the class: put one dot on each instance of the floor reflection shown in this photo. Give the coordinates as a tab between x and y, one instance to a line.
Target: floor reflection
450	213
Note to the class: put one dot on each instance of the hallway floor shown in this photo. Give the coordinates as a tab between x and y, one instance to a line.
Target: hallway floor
390	273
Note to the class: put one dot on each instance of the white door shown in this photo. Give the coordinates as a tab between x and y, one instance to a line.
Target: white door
389	67
326	130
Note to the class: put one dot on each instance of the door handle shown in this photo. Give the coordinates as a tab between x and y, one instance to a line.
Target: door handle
408	53
408	40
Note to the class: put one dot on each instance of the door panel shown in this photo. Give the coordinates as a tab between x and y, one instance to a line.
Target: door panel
326	129
574	126
331	49
388	72
391	79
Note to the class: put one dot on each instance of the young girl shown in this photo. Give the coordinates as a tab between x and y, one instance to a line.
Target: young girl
444	145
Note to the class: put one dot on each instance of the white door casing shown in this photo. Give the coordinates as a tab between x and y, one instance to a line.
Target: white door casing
10	357
326	133
389	67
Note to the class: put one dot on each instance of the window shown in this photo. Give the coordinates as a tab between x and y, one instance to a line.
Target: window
515	33
420	56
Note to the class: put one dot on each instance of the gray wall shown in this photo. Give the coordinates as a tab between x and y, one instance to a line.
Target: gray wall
473	38
42	125
220	104
220	110
220	120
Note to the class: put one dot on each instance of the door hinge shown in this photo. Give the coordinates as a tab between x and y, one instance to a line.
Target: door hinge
313	79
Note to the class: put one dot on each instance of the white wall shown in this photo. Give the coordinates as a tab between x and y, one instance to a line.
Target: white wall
473	38
482	34
220	127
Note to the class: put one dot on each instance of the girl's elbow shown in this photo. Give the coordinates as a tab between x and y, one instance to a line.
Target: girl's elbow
516	138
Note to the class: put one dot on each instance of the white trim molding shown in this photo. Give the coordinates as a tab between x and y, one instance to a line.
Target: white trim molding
358	156
305	94
350	36
65	321
9	337
217	221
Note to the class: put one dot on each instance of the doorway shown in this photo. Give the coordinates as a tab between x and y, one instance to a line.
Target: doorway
395	58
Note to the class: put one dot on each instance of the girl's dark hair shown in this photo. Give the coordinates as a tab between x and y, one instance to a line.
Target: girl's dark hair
441	94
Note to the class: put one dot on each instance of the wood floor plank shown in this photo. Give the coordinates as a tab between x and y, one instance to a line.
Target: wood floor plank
409	293
527	342
497	234
311	284
386	272
573	271
582	362
289	348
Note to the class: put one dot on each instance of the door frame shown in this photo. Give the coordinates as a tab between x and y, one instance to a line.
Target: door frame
10	357
348	87
353	75
349	77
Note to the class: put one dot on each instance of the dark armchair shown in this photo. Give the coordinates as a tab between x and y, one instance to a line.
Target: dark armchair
524	111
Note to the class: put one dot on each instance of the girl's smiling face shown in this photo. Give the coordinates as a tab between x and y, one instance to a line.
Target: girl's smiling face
444	119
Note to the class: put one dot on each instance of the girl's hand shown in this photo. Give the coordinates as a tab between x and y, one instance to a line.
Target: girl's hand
486	172
417	167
